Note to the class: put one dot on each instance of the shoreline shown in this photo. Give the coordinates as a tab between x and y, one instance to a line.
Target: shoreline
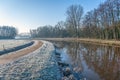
86	40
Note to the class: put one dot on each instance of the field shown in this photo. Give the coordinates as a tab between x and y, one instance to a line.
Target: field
36	62
6	44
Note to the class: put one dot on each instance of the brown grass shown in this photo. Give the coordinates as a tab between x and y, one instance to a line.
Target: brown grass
87	40
10	57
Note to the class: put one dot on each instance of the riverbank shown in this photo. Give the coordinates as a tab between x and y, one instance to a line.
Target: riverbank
37	65
87	40
67	70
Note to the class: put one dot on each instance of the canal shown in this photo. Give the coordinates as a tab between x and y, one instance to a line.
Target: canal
94	62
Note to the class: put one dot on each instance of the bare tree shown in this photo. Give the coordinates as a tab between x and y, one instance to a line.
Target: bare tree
74	16
8	32
102	22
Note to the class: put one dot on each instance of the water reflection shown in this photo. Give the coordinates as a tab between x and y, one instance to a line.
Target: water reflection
96	62
104	60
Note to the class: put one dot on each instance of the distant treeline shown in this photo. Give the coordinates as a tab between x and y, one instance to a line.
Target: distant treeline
102	22
7	32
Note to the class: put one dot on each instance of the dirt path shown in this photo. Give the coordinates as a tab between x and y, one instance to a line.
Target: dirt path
14	55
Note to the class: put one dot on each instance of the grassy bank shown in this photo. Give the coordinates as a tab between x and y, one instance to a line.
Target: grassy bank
87	40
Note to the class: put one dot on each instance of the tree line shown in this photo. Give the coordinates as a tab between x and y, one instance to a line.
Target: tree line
7	32
102	22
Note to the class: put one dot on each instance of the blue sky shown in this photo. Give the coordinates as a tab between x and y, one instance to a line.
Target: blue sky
30	14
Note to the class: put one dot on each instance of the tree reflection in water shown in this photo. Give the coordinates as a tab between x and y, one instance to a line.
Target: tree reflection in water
103	62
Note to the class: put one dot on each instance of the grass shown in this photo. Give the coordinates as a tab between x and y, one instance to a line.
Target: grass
6	44
87	40
15	55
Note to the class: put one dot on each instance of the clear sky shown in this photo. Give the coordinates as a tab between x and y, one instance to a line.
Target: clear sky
30	14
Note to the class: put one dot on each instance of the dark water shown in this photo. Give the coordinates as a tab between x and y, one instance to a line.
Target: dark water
97	62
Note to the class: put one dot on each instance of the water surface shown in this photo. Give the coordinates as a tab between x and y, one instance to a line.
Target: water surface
97	62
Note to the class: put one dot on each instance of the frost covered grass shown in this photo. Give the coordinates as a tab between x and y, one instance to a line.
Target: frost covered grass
38	65
6	44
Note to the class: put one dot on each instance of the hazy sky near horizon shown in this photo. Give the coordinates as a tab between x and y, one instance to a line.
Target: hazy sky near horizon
30	14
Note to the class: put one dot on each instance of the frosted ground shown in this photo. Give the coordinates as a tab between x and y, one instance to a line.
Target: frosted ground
38	65
5	44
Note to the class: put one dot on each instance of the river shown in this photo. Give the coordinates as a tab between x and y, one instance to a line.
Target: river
95	62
